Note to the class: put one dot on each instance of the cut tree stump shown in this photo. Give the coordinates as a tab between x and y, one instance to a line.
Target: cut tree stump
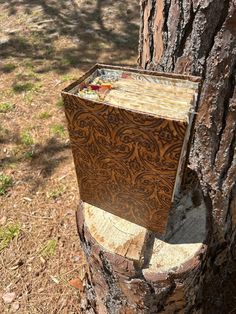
132	270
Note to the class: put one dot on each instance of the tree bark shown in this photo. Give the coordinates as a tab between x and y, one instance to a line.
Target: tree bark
196	37
199	38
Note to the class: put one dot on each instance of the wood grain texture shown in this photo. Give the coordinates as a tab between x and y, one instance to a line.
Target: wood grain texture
118	235
126	161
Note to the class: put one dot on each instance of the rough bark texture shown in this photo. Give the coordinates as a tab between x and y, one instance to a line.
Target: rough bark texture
117	283
199	37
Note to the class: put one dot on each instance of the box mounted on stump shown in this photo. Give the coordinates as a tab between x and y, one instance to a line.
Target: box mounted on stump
129	131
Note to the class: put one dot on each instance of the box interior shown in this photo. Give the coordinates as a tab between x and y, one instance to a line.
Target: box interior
170	98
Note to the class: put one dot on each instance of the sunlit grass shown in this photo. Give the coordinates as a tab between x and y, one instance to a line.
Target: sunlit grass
44	115
5	183
5	107
49	249
58	130
26	138
7	234
56	192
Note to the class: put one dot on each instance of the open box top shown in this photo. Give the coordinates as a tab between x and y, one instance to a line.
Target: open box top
170	96
130	146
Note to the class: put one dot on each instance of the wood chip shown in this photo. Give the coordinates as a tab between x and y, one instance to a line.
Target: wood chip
76	283
9	297
54	279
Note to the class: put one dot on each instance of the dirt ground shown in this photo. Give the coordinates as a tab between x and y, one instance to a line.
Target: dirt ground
44	46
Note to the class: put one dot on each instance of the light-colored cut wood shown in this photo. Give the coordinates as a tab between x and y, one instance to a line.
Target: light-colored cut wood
115	234
183	240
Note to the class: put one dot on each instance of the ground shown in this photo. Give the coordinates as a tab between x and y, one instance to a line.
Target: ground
44	46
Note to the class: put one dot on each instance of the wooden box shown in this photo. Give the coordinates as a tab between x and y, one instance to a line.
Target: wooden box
129	145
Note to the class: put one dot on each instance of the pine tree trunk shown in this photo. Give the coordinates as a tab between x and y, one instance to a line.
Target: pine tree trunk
199	38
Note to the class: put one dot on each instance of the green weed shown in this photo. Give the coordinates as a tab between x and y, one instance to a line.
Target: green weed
29	155
22	87
49	249
67	78
60	103
58	129
5	184
7	234
8	67
57	192
26	138
29	65
5	107
44	115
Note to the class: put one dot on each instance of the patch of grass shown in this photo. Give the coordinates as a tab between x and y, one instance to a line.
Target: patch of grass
29	97
5	107
5	184
21	43
57	192
60	103
26	138
7	234
58	129
29	65
69	60
67	78
49	249
44	115
28	75
29	155
23	87
8	67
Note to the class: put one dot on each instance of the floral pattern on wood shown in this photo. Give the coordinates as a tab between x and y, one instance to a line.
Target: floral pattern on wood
126	161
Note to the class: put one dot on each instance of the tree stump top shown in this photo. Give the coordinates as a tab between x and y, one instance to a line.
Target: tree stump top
157	256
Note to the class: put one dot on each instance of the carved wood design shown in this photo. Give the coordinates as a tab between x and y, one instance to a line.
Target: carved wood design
126	161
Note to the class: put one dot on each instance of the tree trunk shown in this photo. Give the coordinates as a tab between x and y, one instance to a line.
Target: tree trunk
199	38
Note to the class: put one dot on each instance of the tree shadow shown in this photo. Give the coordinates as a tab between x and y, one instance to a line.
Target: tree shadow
101	31
45	158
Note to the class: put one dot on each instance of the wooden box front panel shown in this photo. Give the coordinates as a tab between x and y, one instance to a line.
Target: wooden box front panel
126	162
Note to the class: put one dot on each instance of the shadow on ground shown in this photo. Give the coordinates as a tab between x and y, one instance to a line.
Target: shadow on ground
93	34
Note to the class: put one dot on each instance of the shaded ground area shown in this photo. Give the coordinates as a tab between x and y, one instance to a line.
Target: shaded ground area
44	45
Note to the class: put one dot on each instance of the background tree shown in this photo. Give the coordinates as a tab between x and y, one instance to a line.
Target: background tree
199	38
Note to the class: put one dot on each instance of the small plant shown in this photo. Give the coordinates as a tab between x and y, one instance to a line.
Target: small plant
58	129
9	67
7	234
26	139
67	78
29	65
5	107
44	115
59	103
49	249
22	87
29	155
5	184
70	60
57	192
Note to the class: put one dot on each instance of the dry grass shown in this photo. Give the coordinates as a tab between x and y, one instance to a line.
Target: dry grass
44	45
